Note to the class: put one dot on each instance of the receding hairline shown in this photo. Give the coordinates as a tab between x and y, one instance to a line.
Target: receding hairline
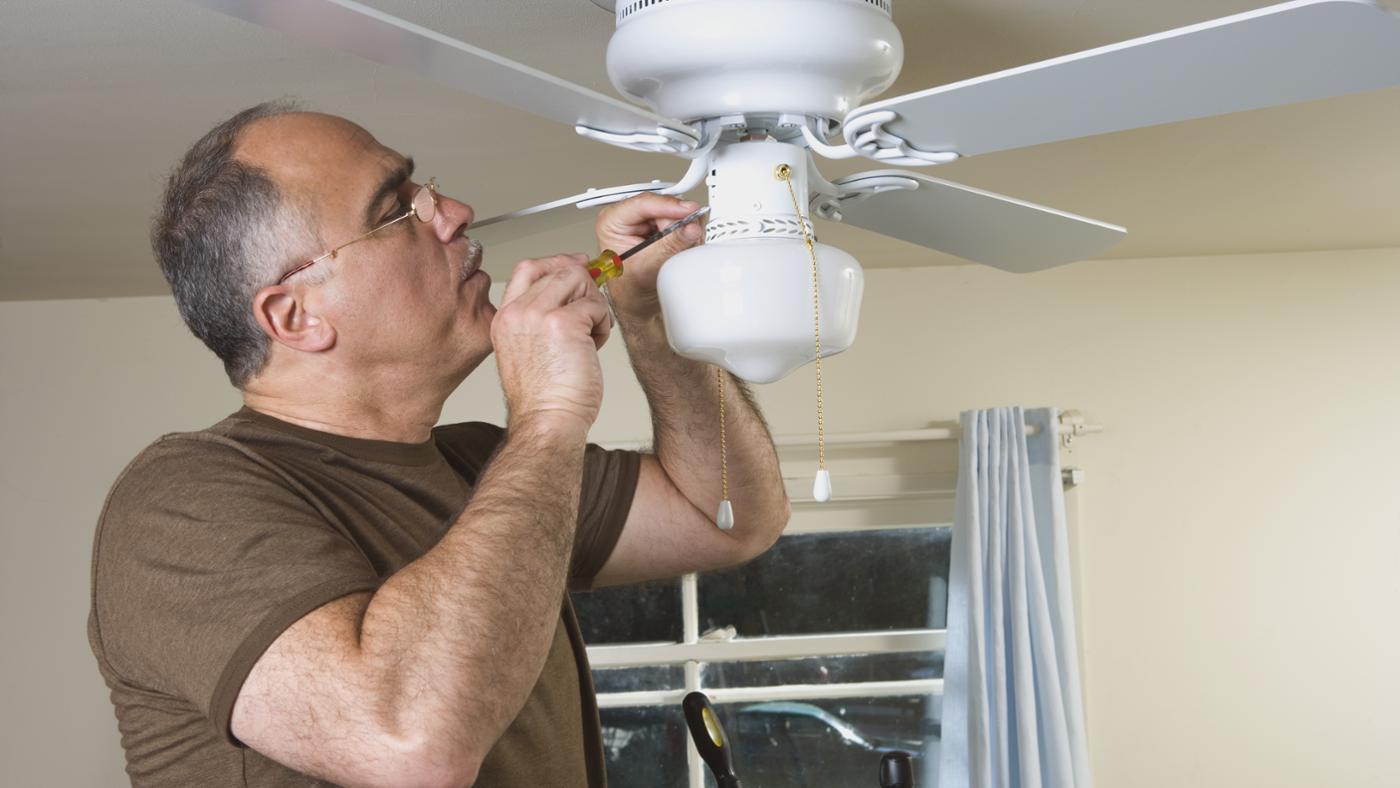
262	145
298	116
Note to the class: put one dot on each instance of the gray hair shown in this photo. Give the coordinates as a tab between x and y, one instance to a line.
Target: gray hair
224	232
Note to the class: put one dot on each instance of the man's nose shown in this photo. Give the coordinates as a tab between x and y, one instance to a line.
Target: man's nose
453	217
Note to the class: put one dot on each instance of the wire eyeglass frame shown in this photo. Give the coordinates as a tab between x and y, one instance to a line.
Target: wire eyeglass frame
424	210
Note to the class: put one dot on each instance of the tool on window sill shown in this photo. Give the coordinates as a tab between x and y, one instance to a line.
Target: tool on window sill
608	265
709	739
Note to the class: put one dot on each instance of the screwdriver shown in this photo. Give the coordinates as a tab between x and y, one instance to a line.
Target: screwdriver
608	265
709	739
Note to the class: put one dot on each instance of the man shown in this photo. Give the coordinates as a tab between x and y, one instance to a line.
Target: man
326	587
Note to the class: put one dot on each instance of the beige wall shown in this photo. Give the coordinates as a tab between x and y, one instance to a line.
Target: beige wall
1239	549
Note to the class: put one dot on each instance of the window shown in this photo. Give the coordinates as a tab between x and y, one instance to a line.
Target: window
820	655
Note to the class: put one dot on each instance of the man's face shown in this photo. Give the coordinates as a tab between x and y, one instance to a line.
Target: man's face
410	300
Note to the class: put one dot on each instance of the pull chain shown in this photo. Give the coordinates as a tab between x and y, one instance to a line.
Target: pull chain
725	517
821	487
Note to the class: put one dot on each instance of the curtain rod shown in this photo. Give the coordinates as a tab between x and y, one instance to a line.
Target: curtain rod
1072	425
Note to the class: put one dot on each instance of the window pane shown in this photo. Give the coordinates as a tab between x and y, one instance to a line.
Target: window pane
843	582
823	670
643	613
830	742
645	746
659	677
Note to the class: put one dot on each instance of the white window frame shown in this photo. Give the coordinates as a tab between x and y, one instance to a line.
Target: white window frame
692	650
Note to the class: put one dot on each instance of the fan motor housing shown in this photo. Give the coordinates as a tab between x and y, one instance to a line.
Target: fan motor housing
698	59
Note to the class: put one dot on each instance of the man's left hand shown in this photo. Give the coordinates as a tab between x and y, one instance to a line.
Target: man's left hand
622	225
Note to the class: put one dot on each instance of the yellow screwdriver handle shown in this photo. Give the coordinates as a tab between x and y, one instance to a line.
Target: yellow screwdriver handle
605	267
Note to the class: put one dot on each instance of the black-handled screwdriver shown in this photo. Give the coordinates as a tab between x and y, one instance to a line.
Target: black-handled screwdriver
608	264
709	738
896	770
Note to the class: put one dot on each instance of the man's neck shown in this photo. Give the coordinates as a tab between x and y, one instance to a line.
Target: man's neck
407	416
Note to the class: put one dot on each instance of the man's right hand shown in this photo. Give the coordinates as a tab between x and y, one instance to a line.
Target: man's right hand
547	332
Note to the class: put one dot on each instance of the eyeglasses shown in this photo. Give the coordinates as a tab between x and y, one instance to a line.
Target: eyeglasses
422	207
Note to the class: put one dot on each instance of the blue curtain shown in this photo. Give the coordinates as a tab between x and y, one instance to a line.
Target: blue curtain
1012	710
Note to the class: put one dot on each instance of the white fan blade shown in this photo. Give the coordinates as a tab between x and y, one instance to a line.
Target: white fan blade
1281	54
975	225
551	215
377	36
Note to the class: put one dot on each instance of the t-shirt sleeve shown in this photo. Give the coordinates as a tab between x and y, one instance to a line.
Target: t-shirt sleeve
609	484
204	556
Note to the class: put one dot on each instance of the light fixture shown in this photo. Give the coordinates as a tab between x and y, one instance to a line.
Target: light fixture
744	299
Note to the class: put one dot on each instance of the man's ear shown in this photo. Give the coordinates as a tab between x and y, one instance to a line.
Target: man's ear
286	318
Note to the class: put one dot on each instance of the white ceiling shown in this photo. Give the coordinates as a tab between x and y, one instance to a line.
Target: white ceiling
99	98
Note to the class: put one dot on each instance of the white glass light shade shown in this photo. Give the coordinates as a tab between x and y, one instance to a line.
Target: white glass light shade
747	305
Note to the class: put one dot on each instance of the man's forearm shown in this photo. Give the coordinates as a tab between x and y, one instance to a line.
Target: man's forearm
684	400
459	636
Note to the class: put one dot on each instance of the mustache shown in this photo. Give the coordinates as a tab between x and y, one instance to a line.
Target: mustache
473	259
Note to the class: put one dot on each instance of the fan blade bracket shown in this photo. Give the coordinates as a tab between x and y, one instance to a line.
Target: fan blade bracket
826	149
861	187
664	140
555	214
858	188
868	135
594	198
547	216
828	208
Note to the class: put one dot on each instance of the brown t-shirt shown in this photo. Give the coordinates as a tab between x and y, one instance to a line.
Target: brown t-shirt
214	542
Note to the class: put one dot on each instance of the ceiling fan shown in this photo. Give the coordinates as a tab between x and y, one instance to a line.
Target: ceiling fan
752	92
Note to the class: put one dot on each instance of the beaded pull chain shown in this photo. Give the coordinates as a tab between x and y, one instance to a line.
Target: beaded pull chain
821	486
725	517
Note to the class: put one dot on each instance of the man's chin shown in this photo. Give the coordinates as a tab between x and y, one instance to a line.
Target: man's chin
477	276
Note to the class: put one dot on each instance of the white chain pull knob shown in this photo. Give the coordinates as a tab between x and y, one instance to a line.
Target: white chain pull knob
725	517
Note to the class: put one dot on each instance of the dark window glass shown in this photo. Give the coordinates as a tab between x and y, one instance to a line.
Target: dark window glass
643	679
823	670
830	742
642	613
842	582
645	746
